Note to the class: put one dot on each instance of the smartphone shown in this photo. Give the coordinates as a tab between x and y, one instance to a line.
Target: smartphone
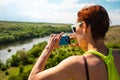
64	40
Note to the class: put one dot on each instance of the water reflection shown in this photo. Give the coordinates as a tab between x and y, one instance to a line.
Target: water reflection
9	49
3	46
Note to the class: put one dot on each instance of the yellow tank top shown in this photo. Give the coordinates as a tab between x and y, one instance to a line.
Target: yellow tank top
109	61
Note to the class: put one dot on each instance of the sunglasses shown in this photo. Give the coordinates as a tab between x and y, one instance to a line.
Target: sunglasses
73	27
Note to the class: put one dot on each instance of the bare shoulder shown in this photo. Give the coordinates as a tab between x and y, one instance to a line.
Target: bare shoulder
74	65
69	68
72	60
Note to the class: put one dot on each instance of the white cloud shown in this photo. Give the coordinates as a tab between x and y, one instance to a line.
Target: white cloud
45	11
115	16
4	3
42	10
63	12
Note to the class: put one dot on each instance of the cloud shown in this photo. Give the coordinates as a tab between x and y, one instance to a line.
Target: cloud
43	10
64	11
38	9
4	3
114	16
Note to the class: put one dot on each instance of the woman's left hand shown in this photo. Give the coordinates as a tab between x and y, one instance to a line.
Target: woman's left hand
54	40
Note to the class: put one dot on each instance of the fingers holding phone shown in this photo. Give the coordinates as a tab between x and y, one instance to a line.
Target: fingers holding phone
69	40
54	40
73	39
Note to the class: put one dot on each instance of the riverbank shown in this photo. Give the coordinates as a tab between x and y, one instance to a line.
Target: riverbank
5	54
20	31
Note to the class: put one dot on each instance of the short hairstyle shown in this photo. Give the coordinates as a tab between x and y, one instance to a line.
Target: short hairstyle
98	18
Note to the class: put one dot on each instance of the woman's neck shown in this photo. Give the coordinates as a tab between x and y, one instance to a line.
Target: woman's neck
98	45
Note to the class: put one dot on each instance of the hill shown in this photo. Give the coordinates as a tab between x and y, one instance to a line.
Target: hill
113	35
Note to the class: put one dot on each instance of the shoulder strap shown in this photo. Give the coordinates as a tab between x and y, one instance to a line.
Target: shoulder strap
96	53
109	61
86	68
112	70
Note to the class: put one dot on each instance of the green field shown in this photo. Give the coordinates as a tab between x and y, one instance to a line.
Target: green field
113	37
19	31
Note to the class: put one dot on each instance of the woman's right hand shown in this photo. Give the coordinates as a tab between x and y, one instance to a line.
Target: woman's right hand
73	36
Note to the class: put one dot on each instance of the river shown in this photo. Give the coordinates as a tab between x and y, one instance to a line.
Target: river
27	45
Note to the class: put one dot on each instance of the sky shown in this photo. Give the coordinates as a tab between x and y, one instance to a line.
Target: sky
53	11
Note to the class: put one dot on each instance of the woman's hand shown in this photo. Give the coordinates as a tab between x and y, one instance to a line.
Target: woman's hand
73	36
54	40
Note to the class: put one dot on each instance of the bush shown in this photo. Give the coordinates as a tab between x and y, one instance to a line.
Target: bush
21	69
6	73
23	76
13	77
22	56
14	60
114	46
1	64
4	67
59	54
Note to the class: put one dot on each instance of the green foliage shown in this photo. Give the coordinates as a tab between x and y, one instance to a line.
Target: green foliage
6	73
21	69
23	76
1	63
114	46
13	77
14	60
20	73
36	50
18	31
113	37
59	54
3	67
23	58
55	58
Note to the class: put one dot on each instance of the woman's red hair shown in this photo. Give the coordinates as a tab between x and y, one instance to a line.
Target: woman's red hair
98	18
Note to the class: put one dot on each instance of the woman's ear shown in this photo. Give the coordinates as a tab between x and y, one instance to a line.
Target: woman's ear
84	27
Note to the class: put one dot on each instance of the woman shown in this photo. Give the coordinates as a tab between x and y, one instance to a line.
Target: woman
90	29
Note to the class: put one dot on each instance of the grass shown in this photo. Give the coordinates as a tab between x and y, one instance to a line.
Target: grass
27	68
113	35
2	75
14	71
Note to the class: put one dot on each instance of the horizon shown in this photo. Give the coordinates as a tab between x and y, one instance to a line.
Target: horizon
53	11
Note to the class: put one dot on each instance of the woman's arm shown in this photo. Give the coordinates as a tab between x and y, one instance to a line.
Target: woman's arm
40	64
64	71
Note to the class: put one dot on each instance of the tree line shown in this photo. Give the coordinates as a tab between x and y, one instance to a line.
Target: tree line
18	31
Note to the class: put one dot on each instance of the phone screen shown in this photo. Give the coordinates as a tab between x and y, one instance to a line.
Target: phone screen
64	40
